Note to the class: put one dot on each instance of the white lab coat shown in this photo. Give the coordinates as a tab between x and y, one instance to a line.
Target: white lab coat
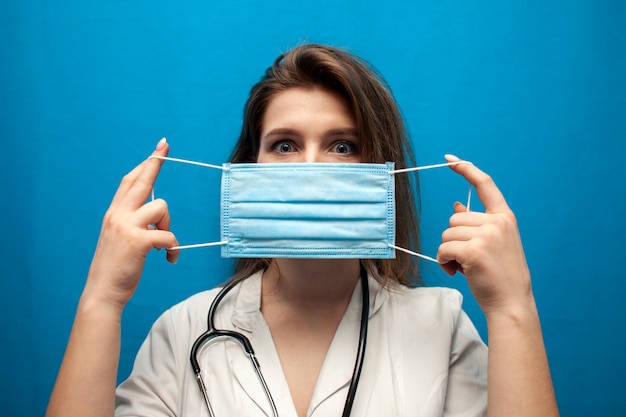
424	358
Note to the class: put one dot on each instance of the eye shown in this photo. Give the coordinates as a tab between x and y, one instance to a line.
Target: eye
283	147
344	148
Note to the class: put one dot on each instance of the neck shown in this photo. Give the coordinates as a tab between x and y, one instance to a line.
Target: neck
311	281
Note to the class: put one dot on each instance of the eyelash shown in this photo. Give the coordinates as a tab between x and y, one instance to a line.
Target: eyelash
352	147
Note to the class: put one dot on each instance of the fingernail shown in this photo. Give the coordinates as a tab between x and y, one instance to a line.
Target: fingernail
161	144
451	158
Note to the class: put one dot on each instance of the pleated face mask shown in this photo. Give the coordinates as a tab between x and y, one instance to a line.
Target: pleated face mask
307	210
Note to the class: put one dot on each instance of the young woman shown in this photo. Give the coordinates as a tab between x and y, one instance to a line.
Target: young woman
304	316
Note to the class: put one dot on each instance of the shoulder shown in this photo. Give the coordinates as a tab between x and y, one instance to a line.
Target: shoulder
186	319
161	365
193	306
425	299
189	317
434	310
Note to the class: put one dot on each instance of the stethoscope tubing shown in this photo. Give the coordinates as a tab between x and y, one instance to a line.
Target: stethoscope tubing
212	333
360	357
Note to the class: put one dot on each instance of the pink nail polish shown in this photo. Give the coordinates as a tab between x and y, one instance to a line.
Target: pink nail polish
161	144
451	158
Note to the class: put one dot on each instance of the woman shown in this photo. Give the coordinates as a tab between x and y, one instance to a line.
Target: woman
423	357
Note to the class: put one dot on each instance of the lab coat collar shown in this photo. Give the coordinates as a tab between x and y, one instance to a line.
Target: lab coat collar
247	314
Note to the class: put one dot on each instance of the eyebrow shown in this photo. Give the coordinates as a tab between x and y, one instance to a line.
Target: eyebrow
281	131
348	131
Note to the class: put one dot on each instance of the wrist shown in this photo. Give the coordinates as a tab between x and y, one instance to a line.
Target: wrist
94	303
518	313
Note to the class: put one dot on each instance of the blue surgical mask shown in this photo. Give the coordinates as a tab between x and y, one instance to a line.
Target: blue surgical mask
308	210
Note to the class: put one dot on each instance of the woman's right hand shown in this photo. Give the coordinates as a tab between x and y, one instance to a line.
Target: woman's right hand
131	228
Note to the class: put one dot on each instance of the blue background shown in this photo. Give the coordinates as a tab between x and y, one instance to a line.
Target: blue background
533	92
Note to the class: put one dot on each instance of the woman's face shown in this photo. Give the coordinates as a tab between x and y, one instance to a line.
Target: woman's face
308	125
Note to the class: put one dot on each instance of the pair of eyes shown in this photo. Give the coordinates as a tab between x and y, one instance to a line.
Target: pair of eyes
344	147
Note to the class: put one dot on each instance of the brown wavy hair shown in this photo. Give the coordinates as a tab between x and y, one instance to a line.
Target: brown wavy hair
380	127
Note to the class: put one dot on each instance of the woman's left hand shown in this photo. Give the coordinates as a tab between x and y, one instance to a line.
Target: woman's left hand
486	247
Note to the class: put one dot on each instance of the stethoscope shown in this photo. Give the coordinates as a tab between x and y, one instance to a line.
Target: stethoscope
212	334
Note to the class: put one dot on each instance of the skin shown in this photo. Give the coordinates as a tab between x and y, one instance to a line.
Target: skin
304	300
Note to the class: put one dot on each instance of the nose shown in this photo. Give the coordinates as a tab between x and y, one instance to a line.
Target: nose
313	153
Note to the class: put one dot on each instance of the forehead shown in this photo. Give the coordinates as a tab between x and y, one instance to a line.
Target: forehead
305	105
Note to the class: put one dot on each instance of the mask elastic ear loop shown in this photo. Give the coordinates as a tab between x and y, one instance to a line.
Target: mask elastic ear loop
410	252
425	167
199	245
185	161
422	168
202	164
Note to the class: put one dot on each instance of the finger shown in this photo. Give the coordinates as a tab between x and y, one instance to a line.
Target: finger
172	255
452	251
128	180
164	222
460	233
162	239
451	268
446	256
157	215
153	213
166	241
488	192
141	188
446	252
467	218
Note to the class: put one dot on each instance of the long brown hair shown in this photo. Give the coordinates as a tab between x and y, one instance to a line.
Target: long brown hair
381	131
